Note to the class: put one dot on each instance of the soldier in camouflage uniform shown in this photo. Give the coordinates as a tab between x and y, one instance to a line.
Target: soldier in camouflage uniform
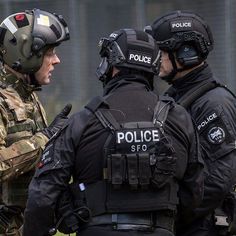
27	54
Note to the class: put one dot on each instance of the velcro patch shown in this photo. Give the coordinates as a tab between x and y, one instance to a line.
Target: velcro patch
181	25
21	20
141	58
47	156
206	121
136	140
216	135
43	20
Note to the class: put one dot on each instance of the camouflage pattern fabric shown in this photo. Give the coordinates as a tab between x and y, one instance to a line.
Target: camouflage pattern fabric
22	117
11	220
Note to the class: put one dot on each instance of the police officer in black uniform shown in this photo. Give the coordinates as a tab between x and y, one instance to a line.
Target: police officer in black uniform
133	156
185	40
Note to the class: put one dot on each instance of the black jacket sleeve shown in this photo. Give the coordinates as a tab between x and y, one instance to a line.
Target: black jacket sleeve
192	185
52	177
190	166
217	132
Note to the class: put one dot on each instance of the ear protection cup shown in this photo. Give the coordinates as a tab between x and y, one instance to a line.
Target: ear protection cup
187	56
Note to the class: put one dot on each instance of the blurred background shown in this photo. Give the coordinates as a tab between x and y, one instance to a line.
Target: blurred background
74	79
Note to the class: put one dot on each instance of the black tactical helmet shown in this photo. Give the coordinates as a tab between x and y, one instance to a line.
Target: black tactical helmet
185	31
25	36
128	48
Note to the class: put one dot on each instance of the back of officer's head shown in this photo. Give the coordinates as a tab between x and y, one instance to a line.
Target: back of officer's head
186	34
129	50
26	36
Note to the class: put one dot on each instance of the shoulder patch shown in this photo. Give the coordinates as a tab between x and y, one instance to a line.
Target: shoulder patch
206	121
47	156
216	135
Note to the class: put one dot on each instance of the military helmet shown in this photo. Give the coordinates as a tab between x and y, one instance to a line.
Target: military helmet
128	48
25	37
179	28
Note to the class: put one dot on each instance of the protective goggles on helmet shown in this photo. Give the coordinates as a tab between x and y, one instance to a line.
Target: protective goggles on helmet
107	46
48	29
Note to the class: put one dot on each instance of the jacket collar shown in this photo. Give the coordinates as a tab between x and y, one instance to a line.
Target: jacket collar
193	79
126	82
20	85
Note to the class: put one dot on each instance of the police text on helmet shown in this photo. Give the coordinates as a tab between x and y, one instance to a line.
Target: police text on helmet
181	25
139	58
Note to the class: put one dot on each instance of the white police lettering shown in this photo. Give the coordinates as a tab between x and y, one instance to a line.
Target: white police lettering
139	148
140	58
181	25
137	136
210	118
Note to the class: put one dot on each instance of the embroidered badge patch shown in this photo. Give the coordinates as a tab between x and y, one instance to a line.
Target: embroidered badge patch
216	135
47	156
206	121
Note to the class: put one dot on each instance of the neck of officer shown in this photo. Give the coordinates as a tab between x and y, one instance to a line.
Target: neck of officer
181	74
115	71
122	78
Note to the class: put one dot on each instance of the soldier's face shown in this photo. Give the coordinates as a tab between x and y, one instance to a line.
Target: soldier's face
44	74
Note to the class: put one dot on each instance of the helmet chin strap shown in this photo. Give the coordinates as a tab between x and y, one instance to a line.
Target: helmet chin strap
168	78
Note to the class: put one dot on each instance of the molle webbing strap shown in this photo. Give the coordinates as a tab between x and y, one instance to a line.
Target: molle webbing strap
144	170
132	166
117	169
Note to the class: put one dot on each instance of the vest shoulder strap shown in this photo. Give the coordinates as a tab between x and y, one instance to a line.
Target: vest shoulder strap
161	110
103	115
187	100
95	103
107	119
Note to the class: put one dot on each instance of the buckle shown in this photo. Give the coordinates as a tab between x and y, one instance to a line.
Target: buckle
132	222
221	220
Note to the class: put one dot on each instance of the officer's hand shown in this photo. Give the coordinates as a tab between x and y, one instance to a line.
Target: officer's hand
58	122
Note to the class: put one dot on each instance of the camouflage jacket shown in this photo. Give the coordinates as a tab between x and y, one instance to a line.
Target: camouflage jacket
22	117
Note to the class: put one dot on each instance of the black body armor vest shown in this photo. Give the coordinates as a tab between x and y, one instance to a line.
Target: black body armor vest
139	166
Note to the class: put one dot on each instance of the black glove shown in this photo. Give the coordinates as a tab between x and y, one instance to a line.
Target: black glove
58	122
